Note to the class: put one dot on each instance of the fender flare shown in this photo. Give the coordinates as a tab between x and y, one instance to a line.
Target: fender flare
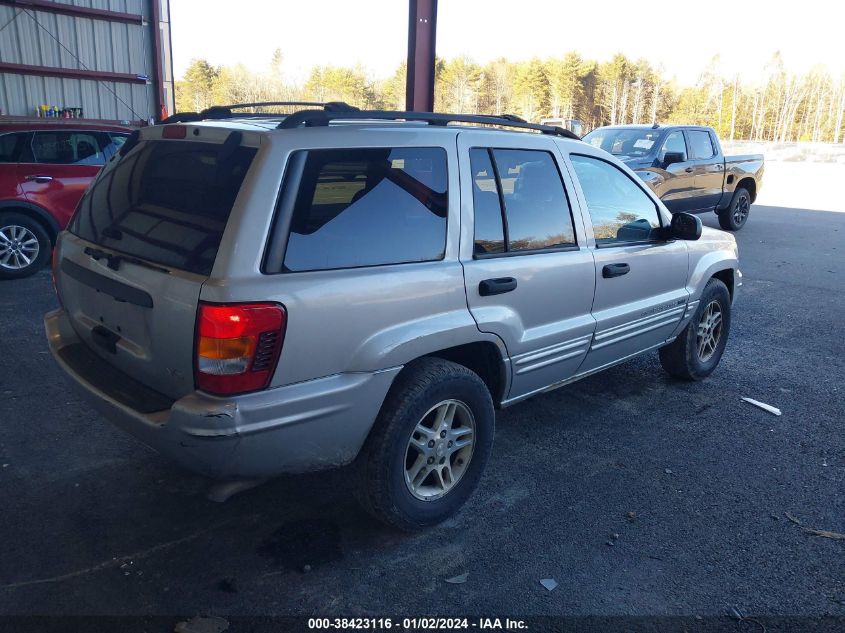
707	267
39	213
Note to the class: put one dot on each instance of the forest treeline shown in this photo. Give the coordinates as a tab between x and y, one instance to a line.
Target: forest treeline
778	106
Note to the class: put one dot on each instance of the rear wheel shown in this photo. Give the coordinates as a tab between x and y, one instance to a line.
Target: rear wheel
24	246
734	217
699	347
429	445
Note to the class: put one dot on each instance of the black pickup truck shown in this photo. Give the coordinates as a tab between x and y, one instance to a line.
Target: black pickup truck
685	167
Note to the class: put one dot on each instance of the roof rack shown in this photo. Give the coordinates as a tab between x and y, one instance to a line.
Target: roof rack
225	111
321	118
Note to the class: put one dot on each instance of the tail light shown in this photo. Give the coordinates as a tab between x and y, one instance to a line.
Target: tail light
238	346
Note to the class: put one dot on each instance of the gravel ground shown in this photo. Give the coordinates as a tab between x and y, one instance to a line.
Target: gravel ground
694	484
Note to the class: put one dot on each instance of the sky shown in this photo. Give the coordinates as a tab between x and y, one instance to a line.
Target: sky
683	35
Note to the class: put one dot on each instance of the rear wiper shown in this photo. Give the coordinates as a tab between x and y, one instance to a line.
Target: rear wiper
113	260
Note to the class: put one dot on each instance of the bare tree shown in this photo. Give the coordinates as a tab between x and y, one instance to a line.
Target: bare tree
784	106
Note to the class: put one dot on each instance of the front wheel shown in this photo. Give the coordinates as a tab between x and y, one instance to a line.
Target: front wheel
699	347
429	446
734	217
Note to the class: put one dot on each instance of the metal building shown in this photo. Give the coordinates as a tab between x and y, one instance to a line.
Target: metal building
108	59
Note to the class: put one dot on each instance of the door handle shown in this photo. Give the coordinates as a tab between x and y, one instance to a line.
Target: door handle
496	286
689	170
615	270
39	178
718	167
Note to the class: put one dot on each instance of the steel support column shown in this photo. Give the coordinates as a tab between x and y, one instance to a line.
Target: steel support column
422	35
158	70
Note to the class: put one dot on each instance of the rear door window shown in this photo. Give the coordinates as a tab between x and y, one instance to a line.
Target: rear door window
701	147
368	207
67	147
489	228
536	210
111	142
166	202
118	139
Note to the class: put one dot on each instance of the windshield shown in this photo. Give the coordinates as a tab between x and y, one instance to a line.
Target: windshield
624	141
166	202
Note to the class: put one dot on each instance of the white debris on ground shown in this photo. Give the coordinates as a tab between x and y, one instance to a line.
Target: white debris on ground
458	580
763	405
549	583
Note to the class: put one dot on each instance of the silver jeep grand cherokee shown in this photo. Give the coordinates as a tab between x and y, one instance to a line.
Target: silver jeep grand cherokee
252	295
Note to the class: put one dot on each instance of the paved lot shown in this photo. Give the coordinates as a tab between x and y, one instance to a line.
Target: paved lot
94	523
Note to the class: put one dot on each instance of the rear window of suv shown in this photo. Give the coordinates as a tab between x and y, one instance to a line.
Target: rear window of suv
165	201
368	207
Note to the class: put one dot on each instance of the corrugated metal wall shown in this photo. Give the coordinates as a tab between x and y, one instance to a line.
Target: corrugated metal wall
91	44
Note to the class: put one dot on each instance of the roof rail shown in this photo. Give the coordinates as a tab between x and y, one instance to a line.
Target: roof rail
321	118
225	111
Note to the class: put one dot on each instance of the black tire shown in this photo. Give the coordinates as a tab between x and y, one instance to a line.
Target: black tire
13	268
736	215
382	463
681	358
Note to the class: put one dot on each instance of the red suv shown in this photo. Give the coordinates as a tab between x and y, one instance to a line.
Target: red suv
44	170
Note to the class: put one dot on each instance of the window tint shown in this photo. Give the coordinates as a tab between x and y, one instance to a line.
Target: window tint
165	201
700	144
620	211
118	139
536	207
674	143
67	148
11	145
489	232
365	207
624	141
112	143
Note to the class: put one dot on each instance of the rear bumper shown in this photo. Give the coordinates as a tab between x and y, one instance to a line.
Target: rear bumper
307	426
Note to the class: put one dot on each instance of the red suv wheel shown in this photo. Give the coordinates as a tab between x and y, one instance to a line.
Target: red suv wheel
24	246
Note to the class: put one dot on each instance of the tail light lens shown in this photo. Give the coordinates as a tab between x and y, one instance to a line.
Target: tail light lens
238	346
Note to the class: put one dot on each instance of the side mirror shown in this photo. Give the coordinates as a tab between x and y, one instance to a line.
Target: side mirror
685	226
670	158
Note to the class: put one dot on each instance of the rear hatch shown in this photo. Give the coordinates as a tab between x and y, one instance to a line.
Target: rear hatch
143	240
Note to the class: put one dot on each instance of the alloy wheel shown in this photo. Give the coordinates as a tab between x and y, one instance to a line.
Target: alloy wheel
741	209
18	247
709	331
439	450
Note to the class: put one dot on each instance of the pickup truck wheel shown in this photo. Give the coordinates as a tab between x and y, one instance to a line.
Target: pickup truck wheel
428	447
733	218
699	347
24	246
